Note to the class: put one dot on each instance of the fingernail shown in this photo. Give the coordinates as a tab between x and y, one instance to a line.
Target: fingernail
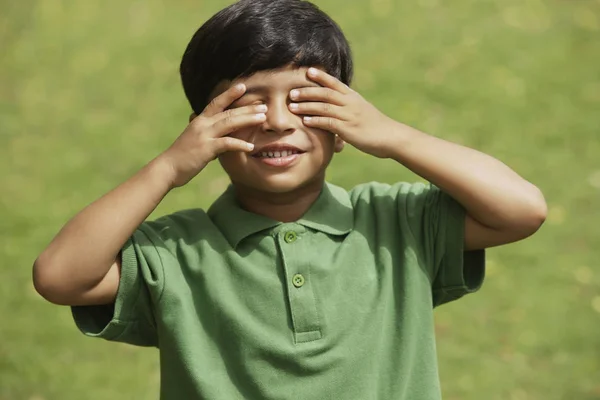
240	87
293	106
312	71
250	146
294	94
259	116
261	108
307	119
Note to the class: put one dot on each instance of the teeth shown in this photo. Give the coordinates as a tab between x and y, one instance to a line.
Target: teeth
277	154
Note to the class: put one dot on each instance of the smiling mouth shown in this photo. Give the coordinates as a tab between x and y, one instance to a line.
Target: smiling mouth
276	153
277	150
278	156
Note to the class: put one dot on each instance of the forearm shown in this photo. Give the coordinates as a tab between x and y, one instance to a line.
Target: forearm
492	193
87	246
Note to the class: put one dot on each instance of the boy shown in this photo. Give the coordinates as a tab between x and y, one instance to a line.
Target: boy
288	286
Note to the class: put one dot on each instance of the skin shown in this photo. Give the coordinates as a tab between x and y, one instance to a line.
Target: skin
501	206
82	264
281	194
316	113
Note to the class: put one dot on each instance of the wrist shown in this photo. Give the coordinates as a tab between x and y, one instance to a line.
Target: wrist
401	141
161	172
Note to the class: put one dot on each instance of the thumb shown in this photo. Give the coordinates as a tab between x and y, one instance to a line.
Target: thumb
228	143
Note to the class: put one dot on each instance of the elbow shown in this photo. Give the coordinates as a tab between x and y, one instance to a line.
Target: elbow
46	283
536	212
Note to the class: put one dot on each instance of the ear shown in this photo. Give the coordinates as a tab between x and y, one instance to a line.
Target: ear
338	145
192	116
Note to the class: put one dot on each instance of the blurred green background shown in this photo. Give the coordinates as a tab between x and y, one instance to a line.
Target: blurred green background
89	92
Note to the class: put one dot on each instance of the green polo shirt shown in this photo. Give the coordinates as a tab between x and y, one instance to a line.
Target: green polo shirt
337	305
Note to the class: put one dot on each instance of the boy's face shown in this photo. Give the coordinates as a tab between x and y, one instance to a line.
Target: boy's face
287	155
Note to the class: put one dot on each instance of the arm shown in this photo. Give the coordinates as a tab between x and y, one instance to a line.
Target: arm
501	206
81	266
74	268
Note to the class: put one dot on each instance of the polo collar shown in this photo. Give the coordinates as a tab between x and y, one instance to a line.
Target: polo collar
331	213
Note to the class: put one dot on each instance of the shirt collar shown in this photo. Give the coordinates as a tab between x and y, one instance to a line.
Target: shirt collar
331	213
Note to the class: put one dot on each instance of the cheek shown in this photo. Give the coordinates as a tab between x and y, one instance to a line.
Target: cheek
243	134
231	159
233	164
323	139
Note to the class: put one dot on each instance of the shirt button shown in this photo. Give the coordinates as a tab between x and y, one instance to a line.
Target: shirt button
290	237
298	280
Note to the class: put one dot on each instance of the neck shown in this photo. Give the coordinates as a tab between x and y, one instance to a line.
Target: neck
283	207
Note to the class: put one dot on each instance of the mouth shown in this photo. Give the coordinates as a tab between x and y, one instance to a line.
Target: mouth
280	151
277	155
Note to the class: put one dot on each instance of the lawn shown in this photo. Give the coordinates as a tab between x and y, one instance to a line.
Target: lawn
89	92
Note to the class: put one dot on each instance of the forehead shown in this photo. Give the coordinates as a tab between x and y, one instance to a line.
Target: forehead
265	82
282	77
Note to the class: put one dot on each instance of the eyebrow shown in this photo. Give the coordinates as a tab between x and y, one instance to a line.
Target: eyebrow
256	89
259	89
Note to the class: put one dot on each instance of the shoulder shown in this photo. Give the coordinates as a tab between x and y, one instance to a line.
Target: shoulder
183	224
402	205
382	194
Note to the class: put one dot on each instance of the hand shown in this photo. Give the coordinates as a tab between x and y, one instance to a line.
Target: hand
206	135
336	108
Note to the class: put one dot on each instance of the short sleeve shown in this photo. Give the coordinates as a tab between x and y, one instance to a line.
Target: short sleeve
438	223
131	318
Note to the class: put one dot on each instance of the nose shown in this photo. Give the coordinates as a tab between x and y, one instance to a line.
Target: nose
279	118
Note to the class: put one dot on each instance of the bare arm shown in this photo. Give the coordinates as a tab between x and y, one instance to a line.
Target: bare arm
81	266
501	206
81	255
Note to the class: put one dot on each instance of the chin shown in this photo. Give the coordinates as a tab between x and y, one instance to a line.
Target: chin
280	183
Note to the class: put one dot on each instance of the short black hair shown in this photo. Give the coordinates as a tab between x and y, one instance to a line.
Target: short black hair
258	35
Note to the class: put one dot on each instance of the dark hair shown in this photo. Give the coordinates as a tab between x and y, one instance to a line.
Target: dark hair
257	35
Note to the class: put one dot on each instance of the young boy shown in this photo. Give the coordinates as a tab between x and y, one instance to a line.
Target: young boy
287	287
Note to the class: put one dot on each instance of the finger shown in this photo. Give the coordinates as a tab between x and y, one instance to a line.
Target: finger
233	123
324	79
321	94
224	100
228	143
253	109
332	125
320	109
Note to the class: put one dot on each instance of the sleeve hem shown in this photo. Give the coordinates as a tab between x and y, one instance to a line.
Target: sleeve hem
456	282
97	321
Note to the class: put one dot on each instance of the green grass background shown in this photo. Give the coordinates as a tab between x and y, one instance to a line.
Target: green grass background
89	92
